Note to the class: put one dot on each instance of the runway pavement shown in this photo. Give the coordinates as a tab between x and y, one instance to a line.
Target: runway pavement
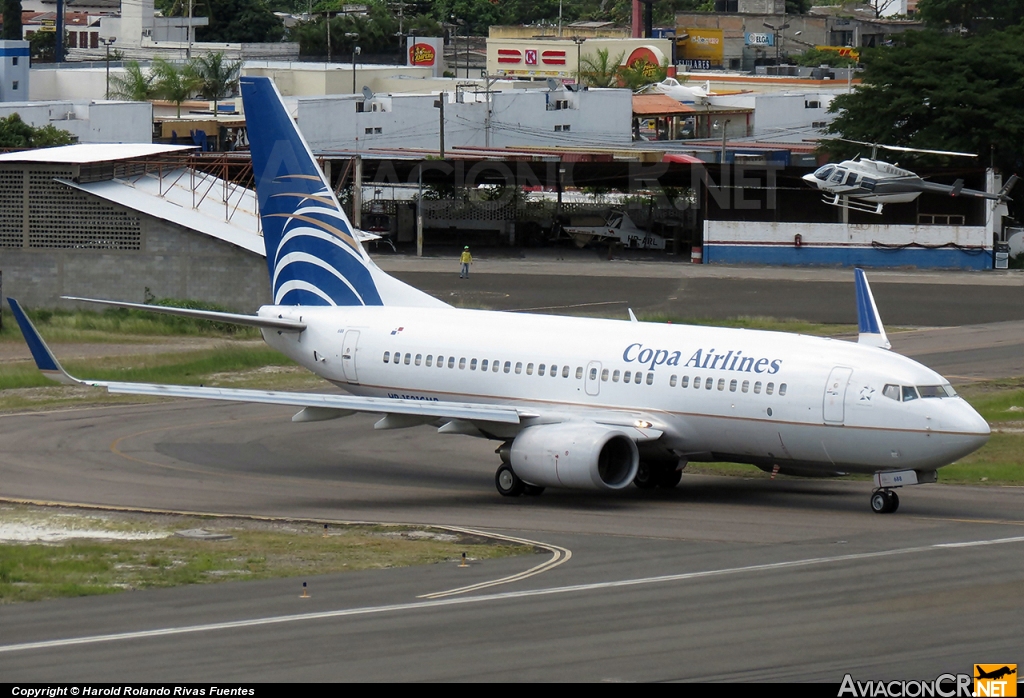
721	579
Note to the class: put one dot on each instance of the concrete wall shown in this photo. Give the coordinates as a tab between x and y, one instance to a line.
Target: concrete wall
173	263
838	244
96	122
14	71
311	79
781	110
518	118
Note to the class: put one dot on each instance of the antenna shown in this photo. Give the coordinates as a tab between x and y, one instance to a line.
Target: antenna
367	93
553	84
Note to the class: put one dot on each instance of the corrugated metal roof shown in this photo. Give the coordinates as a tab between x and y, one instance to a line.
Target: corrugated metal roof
659	105
83	153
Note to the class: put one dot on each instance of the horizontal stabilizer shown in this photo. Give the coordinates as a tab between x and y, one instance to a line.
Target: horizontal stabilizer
282	324
868	321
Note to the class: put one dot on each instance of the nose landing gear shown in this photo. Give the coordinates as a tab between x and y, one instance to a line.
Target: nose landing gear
884	501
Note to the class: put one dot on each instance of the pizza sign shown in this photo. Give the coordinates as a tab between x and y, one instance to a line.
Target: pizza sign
421	54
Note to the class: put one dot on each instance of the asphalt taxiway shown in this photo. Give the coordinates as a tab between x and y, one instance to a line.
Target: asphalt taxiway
719	579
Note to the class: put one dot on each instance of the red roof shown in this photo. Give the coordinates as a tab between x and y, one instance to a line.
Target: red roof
659	105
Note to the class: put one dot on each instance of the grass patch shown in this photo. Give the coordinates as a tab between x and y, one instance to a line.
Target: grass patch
256	550
999	462
187	368
115	324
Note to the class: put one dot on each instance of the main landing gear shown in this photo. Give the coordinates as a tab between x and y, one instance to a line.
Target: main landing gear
884	501
649	476
509	484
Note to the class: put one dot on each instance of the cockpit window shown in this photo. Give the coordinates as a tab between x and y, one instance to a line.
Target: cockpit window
892	392
837	178
909	393
945	390
823	172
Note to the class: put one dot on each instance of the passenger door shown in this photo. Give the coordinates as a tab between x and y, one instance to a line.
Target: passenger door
349	346
834	404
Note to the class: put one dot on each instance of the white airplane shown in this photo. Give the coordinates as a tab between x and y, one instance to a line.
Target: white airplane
687	94
618	227
865	184
581	403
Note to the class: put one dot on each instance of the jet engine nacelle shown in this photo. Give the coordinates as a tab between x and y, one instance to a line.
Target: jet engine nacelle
578	456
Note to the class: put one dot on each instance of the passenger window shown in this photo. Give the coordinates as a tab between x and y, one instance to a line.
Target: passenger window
579	372
519	367
626	376
419	359
672	381
529	369
430	360
757	388
685	382
745	387
593	374
637	377
604	375
782	389
769	389
615	376
398	358
483	365
507	367
709	383
462	363
732	386
495	365
721	384
696	383
892	392
909	393
650	379
451	362
387	356
408	358
541	369
565	371
472	365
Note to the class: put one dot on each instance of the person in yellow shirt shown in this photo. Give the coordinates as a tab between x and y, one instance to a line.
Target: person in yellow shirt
466	260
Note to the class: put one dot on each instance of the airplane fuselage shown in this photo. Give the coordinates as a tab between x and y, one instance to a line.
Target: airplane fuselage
814	405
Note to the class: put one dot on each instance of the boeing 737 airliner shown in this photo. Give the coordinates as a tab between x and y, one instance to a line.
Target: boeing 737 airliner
574	402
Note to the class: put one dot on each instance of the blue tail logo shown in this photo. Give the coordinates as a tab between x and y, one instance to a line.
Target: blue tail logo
312	254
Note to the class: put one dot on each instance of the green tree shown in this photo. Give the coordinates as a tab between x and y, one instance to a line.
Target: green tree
15	133
240	21
940	91
815	57
641	73
217	77
12	20
973	15
134	84
175	83
598	70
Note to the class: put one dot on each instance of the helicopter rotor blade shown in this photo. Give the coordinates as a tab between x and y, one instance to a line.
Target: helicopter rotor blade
904	149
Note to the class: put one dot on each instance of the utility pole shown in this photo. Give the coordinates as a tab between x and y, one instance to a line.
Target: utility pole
419	215
578	40
439	103
107	41
188	31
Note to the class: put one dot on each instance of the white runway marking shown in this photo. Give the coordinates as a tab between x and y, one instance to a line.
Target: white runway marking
464	600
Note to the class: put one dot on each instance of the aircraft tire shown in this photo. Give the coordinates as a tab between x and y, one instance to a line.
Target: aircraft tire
894	501
670	478
879	502
532	490
507	482
646	477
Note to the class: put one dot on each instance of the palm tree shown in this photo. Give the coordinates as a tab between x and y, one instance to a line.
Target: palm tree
217	77
174	83
134	84
599	71
642	73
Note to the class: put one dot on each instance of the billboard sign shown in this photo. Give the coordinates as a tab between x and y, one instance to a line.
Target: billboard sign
759	39
701	45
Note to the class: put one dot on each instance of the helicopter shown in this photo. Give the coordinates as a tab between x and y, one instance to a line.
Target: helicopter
864	184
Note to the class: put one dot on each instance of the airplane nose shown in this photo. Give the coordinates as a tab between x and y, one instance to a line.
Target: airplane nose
974	425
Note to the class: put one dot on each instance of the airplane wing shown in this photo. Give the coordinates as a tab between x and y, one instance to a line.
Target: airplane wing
282	324
460	417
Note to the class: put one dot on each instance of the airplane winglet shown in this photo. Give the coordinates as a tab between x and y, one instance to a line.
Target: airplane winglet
46	362
868	321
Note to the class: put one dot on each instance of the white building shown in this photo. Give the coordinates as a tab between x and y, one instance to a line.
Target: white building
479	119
90	122
776	113
14	63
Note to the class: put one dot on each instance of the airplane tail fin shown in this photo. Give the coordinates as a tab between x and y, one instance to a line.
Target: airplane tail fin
868	321
313	254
